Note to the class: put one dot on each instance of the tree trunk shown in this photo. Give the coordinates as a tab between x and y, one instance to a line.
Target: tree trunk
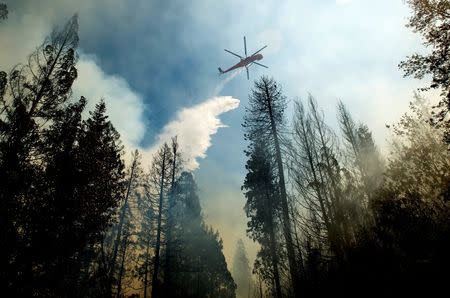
299	248
287	231
167	273
273	251
122	264
121	220
318	179
339	235
146	270
155	287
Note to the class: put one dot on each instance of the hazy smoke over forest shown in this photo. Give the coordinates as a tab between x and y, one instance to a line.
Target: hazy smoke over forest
314	163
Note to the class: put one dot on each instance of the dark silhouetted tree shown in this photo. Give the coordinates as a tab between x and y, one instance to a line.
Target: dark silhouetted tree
318	179
198	266
171	242
135	173
262	208
146	233
264	119
405	249
33	97
160	177
103	187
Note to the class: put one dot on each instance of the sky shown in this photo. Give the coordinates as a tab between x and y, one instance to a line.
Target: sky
155	64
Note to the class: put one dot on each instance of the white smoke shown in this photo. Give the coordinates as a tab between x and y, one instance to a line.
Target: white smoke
125	106
194	127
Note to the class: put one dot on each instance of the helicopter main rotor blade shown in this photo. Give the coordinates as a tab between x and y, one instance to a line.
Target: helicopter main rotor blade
248	77
245	47
259	50
260	64
233	54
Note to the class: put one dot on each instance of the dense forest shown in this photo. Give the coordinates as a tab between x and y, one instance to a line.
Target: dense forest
82	217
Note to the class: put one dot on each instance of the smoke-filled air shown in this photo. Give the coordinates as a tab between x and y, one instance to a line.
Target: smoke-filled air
224	149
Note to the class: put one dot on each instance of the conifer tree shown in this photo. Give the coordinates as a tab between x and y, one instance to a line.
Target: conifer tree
31	95
102	188
262	208
134	176
160	178
264	119
362	151
198	267
146	234
170	240
60	230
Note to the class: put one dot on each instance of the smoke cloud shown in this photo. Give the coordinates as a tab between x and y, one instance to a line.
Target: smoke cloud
194	127
125	107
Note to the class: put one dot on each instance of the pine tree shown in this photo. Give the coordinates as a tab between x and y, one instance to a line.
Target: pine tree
363	153
102	188
125	254
330	206
32	94
135	173
262	207
60	231
264	119
102	166
145	235
161	181
119	242
186	231
198	265
170	240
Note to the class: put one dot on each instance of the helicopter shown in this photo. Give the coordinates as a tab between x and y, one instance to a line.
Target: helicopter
246	61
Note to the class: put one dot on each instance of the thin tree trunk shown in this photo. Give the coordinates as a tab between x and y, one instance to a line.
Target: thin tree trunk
121	220
155	288
146	270
167	275
284	204
273	251
297	242
335	193
312	167
122	264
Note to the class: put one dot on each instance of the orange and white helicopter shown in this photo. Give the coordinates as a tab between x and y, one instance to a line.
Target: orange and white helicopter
246	61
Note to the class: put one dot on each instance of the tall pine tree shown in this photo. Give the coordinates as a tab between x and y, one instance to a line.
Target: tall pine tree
264	119
262	208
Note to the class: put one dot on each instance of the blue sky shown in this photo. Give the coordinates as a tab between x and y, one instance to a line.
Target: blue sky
156	63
